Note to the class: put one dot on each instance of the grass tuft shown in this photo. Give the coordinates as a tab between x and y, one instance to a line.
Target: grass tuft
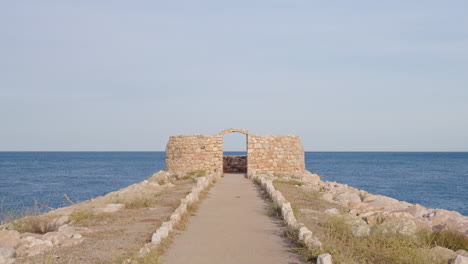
138	202
194	175
444	238
87	217
273	210
291	182
38	224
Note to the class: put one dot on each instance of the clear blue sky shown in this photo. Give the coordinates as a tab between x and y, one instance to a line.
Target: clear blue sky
126	75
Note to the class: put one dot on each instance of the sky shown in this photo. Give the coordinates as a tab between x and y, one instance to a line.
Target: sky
125	75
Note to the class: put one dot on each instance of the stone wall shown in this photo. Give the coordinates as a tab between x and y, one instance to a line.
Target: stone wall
188	153
265	153
272	153
235	164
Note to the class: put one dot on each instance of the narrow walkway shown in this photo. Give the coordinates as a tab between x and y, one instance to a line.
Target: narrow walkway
231	227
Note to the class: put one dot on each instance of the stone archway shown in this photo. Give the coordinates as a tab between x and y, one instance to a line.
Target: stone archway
237	163
231	130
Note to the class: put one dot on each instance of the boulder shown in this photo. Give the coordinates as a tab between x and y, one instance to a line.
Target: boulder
57	238
416	210
443	252
38	246
312	179
9	238
7	252
462	252
405	227
324	259
459	260
380	202
346	197
67	230
4	260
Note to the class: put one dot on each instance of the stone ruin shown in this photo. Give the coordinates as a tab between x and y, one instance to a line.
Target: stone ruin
265	154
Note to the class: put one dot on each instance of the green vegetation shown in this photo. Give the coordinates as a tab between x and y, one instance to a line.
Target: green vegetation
86	217
444	238
196	174
378	247
291	182
335	234
38	224
150	258
274	210
161	182
138	202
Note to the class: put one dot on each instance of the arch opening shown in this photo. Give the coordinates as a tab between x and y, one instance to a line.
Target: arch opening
235	152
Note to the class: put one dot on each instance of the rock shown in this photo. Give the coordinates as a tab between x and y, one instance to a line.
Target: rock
331	211
405	227
77	236
324	259
443	252
4	260
9	238
40	242
56	238
327	196
415	210
7	252
304	232
360	230
27	234
346	197
459	260
67	230
112	208
380	202
29	239
39	246
312	179
462	252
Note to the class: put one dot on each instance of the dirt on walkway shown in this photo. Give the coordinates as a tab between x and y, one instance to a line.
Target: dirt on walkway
231	226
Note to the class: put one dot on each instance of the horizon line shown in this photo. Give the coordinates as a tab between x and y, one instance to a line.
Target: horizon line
460	151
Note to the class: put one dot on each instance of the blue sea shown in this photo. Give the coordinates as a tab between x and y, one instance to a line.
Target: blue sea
432	179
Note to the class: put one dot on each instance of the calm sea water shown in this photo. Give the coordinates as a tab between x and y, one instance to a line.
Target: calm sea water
435	180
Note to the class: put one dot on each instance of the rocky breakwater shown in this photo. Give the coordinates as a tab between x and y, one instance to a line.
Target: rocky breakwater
37	234
14	243
372	213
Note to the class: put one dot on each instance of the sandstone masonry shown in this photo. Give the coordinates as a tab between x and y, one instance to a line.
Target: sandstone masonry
265	153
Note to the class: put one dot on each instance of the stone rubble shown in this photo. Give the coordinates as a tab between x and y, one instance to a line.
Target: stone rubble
367	212
13	244
397	216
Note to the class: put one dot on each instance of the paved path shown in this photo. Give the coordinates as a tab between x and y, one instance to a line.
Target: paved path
231	227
